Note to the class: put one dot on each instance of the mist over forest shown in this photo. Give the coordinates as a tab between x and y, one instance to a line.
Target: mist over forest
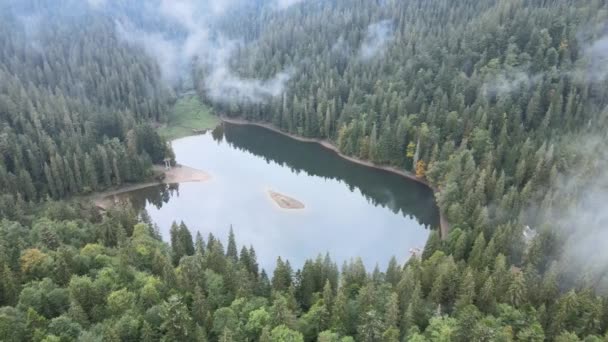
499	106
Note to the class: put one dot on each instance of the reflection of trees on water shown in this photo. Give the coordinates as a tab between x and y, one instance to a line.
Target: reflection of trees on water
154	195
380	187
218	133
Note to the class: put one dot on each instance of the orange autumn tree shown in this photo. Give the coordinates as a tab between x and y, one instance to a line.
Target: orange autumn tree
420	169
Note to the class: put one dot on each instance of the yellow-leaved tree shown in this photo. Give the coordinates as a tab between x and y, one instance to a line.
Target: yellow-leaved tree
411	149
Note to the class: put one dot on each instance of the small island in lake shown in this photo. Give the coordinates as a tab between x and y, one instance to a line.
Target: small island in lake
285	202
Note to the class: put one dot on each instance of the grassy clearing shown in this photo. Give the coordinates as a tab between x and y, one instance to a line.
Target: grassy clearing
188	114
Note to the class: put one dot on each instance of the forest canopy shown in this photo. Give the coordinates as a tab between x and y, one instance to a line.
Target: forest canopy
76	108
499	104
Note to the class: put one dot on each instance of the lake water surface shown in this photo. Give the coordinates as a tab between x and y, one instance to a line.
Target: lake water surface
350	210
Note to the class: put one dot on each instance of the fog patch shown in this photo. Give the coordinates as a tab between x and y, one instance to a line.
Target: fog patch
595	56
583	224
199	42
341	47
376	40
31	27
284	4
96	3
165	51
592	67
507	82
223	85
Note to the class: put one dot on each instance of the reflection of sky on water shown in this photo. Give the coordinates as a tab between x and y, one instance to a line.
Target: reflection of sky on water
338	218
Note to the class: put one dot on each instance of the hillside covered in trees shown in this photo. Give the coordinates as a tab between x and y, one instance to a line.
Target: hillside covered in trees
76	106
500	104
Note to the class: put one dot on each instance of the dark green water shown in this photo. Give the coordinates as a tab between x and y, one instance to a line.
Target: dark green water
351	210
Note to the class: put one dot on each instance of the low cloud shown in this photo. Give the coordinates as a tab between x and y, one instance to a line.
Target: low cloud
211	50
283	4
181	12
97	3
224	85
584	223
341	47
165	51
591	68
595	55
376	40
507	82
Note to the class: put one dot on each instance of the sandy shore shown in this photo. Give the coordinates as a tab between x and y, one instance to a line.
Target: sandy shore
285	202
183	174
177	174
444	225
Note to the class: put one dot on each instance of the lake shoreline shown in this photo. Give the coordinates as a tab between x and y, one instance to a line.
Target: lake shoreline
177	174
444	224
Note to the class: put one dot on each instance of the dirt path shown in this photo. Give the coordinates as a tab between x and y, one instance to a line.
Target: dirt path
445	227
177	174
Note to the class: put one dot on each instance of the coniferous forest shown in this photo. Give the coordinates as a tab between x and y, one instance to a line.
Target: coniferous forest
501	105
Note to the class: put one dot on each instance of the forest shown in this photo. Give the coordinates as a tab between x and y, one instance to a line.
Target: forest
499	104
76	110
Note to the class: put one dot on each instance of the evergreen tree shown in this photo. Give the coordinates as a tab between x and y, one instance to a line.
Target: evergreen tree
231	249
